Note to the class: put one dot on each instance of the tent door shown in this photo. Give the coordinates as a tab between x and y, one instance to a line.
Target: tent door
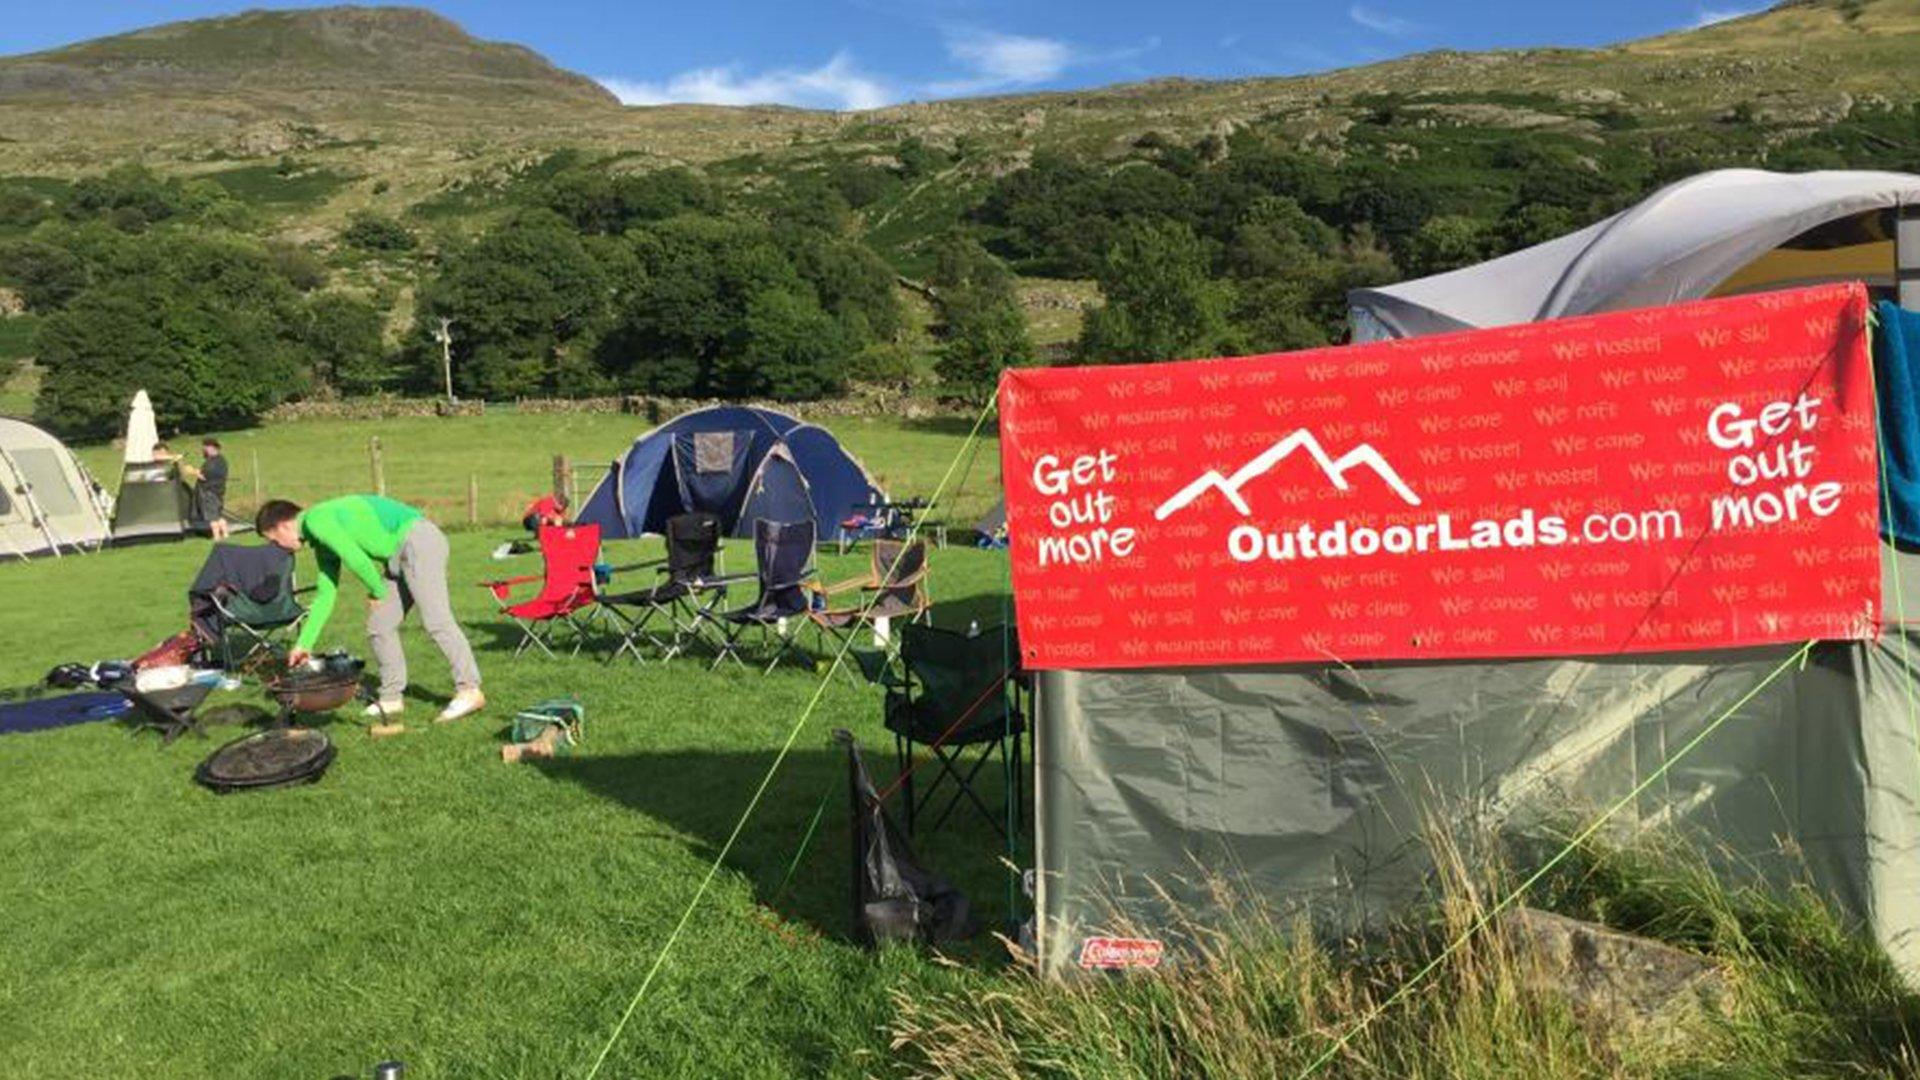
28	504
778	492
710	468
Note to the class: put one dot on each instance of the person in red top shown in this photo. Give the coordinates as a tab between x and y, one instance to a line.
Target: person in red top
545	511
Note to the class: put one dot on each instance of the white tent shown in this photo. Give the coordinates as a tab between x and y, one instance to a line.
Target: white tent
48	502
1718	233
154	502
142	434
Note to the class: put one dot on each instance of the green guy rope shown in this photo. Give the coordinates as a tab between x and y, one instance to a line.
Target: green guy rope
1582	837
766	781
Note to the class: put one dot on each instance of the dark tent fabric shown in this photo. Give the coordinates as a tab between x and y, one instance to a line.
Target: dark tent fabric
993	521
255	571
778	491
711	469
671	470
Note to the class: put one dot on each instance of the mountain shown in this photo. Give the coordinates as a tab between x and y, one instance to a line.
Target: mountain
411	78
330	51
316	114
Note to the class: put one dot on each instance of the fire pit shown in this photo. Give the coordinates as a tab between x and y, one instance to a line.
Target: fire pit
335	683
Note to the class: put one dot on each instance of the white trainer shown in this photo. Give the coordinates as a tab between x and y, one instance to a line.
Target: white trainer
383	710
464	703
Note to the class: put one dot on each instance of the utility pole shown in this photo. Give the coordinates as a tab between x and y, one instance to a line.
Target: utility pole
444	336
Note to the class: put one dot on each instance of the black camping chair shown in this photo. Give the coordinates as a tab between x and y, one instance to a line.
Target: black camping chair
783	553
245	593
689	593
955	694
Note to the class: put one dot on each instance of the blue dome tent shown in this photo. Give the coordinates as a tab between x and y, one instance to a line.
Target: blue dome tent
740	462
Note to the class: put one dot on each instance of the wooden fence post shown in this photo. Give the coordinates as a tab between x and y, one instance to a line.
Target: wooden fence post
563	479
379	466
473	499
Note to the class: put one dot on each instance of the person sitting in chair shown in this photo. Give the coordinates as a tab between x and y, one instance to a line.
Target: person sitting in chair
401	557
545	512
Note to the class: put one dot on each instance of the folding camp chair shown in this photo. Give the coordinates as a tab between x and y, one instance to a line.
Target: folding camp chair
953	693
783	554
247	594
895	587
567	588
683	599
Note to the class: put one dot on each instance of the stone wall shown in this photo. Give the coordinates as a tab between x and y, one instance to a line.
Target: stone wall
861	401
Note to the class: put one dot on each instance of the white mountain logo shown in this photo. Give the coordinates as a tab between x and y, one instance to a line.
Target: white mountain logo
1334	468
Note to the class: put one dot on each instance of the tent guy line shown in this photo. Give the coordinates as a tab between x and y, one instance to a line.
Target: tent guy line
1798	656
793	734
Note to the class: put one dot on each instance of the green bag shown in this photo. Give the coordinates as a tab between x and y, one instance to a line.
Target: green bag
564	713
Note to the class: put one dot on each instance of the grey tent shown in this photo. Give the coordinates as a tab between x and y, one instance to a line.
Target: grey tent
49	503
1312	786
1715	234
154	502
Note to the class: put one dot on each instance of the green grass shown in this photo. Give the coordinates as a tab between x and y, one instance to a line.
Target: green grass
429	461
266	185
427	902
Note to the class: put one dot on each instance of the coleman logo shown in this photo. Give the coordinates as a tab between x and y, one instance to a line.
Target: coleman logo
1302	439
1112	953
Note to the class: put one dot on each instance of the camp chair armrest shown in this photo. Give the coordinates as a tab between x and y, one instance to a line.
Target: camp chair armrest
503	588
725	579
864	581
625	567
805	576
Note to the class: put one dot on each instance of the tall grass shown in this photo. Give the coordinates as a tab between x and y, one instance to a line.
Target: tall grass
1257	996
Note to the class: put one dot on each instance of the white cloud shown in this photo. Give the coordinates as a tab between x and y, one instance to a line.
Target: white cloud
1381	22
996	61
987	61
1709	16
837	84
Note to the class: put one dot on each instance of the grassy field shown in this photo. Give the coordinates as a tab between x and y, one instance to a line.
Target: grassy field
425	901
430	461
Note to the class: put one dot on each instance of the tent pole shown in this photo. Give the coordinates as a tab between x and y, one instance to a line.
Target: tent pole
1906	256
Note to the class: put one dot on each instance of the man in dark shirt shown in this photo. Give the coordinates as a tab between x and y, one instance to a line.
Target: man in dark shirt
210	492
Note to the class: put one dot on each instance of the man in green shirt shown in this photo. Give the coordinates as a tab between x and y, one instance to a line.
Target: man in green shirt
401	557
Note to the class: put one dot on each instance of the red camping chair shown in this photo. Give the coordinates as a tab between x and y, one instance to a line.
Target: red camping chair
566	588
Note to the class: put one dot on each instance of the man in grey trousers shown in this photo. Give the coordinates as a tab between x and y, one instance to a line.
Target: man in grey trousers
401	557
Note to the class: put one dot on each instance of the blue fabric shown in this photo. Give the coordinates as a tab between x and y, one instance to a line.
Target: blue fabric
63	711
716	492
1896	360
644	488
835	480
779	494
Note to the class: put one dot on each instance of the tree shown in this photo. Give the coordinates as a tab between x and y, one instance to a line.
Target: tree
852	282
209	361
519	298
1447	242
370	231
342	337
1160	303
687	320
791	350
599	203
982	329
47	275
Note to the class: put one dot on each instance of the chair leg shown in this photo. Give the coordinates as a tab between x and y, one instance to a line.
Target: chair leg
903	762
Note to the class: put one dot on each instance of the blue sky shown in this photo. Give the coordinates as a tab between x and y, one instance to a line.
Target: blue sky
855	54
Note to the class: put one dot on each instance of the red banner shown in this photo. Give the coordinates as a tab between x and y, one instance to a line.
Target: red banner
1695	476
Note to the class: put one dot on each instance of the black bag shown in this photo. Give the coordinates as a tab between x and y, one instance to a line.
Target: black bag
895	899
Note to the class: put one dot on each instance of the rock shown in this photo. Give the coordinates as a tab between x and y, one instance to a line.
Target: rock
1630	989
